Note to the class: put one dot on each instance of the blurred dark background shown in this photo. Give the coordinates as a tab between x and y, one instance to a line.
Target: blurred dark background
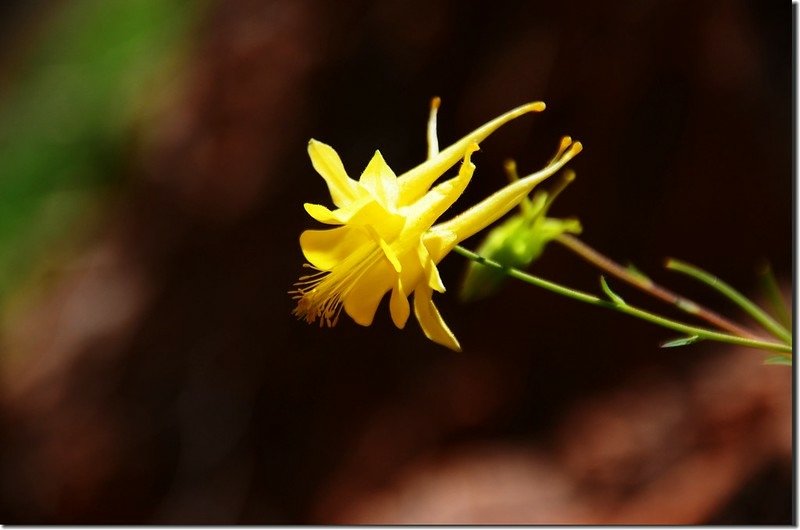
152	175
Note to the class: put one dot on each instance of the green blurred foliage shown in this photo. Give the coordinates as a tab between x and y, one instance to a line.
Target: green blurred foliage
66	116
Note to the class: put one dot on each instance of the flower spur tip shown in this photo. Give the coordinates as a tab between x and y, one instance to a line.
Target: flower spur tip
436	102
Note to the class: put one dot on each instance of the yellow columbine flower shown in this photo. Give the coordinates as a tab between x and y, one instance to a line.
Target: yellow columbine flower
386	238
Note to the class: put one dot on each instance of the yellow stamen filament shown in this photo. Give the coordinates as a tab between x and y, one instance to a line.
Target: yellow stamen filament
321	295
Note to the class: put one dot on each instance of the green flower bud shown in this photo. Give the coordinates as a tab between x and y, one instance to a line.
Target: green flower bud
516	242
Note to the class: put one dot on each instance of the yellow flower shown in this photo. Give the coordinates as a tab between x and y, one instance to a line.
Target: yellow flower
386	238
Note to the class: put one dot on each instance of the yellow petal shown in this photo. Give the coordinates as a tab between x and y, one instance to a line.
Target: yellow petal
363	299
439	243
429	267
388	225
380	180
498	204
391	256
387	250
324	249
433	204
431	321
399	306
414	183
324	215
328	164
434	280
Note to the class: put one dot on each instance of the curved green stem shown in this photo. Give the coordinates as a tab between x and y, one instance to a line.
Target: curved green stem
625	308
769	323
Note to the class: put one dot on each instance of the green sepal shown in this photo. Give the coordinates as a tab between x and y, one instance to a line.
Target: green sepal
517	242
681	341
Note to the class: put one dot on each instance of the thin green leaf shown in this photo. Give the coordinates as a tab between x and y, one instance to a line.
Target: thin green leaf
681	341
734	296
773	293
617	299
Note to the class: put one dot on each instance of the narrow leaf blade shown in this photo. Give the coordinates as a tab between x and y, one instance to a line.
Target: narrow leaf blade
681	341
617	299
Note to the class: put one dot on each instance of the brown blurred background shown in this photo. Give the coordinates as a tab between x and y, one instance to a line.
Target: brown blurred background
152	175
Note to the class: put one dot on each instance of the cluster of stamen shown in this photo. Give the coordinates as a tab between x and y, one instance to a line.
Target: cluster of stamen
320	295
304	293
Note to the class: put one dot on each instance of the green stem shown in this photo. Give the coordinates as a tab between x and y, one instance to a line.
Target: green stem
624	308
733	295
